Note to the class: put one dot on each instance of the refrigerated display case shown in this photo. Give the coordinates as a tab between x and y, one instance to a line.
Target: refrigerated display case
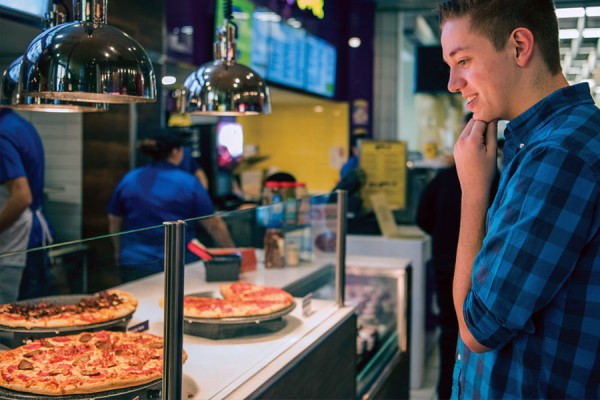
307	352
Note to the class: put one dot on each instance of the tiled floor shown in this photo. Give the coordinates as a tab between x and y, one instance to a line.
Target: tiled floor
428	391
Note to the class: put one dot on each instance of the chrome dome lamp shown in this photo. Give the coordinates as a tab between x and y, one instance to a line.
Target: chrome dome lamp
224	87
9	85
87	60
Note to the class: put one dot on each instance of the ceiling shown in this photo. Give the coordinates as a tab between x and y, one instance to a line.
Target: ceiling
580	55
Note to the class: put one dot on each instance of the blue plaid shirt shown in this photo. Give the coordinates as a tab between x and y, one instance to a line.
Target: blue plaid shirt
535	299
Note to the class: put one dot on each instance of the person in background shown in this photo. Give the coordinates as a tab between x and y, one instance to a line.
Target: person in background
438	214
189	164
22	223
353	157
527	275
151	195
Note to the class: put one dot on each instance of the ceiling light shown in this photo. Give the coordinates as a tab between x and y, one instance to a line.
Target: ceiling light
224	87
87	60
9	85
570	12
168	80
354	42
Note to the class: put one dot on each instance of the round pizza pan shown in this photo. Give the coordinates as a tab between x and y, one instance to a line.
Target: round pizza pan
226	328
243	320
146	391
14	337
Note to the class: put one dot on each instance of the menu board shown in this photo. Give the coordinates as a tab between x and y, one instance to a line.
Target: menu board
320	66
384	163
291	56
286	55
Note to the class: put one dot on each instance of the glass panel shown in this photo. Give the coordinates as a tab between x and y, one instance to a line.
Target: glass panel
221	354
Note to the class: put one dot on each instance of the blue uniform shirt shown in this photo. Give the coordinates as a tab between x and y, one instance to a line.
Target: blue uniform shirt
149	196
535	299
22	155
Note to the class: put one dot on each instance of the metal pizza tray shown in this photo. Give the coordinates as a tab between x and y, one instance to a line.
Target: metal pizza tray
151	390
15	337
224	328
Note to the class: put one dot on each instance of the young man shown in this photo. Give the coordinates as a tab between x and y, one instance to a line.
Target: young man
527	278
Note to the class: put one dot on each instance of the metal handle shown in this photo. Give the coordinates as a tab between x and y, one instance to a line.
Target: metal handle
340	267
173	330
403	307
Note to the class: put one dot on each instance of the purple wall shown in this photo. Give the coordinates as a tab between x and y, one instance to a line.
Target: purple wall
343	19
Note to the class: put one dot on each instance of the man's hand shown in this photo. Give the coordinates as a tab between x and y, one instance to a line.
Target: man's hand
475	155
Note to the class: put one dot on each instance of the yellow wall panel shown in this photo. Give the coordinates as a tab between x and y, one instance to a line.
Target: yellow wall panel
299	139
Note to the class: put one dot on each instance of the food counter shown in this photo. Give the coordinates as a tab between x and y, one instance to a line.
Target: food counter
311	356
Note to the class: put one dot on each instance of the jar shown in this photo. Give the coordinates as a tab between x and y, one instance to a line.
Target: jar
274	247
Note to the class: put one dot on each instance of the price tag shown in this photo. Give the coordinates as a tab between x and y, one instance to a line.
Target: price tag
306	305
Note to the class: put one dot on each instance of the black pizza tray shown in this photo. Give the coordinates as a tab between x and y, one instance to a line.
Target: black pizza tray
225	328
146	391
15	337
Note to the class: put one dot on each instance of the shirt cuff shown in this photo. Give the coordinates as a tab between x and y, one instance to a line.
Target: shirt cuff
482	324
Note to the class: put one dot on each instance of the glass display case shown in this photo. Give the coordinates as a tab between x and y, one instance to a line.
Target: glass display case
302	343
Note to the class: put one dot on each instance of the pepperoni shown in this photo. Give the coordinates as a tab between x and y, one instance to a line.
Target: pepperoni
62	339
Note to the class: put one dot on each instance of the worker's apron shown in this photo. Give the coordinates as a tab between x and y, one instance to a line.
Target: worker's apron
13	243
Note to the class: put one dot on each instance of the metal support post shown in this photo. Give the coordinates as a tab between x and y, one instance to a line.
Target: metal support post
173	330
340	245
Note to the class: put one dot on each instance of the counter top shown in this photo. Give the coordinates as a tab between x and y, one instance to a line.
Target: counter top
237	367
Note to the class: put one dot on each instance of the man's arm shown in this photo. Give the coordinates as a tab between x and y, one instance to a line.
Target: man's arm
201	175
475	153
18	200
115	224
218	230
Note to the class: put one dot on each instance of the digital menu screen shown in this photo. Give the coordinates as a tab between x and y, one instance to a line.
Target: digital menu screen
291	56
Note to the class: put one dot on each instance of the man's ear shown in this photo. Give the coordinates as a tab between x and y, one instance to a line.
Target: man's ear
521	39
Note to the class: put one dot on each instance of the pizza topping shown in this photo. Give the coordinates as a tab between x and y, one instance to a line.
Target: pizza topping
101	345
86	337
83	367
46	343
24	364
32	353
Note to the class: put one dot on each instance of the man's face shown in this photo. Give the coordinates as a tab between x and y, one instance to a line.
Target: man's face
478	71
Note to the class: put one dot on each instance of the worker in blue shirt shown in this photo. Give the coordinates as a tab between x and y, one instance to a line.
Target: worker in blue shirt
22	223
527	276
152	194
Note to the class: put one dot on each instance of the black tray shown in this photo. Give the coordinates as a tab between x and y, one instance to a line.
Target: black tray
146	391
224	328
15	337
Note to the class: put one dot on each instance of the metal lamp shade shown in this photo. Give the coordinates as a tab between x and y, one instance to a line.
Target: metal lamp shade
225	88
88	62
9	96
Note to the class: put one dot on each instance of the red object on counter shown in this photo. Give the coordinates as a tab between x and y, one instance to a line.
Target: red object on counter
248	254
199	249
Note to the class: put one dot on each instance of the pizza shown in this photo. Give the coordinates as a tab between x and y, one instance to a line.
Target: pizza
240	299
88	362
104	306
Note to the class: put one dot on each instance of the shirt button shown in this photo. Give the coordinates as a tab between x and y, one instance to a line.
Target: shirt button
458	357
522	145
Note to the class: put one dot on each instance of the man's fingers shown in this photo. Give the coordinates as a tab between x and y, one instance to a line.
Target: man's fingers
491	136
